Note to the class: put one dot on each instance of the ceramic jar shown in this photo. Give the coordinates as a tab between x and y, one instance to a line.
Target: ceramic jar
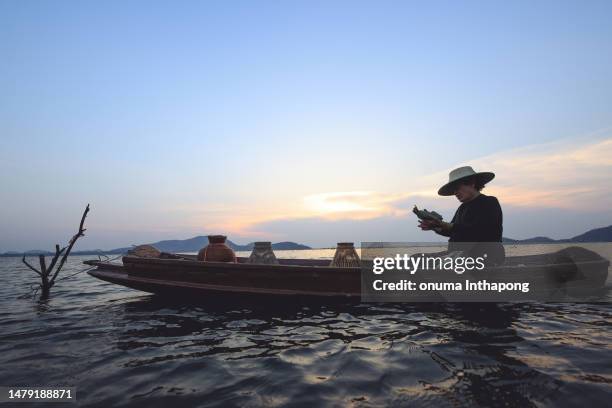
216	250
345	256
263	254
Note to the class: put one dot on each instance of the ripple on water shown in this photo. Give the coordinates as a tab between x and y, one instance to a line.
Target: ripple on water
120	347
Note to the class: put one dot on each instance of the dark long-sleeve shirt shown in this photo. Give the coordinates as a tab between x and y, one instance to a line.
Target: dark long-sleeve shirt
478	221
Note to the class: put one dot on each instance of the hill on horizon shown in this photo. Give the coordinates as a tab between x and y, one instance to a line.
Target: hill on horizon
170	245
603	234
196	243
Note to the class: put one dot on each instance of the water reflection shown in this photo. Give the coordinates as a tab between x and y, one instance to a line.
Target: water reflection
125	349
427	352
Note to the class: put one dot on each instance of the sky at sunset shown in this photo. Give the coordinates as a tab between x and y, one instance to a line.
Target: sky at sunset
309	121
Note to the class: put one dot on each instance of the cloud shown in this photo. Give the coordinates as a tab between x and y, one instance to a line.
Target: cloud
570	174
558	189
520	223
321	232
355	204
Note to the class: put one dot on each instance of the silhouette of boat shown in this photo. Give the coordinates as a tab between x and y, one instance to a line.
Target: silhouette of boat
575	268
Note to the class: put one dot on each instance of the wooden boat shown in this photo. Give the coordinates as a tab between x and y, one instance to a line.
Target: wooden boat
179	275
308	277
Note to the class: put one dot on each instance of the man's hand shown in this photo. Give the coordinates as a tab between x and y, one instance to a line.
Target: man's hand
428	225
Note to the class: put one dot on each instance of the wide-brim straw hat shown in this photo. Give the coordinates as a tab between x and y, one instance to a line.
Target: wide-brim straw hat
462	173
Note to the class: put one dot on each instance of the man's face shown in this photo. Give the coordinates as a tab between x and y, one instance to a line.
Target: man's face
465	192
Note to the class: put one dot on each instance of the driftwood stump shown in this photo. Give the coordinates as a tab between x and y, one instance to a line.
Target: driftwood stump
49	274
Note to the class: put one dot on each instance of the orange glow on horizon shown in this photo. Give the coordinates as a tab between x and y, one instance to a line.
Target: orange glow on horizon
556	175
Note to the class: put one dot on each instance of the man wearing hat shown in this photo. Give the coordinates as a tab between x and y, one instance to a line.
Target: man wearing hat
476	228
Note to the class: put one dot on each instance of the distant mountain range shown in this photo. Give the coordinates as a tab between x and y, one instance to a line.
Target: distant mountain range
174	245
196	243
595	235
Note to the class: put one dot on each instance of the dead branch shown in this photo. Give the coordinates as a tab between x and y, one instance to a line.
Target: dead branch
44	272
43	265
30	266
58	253
80	233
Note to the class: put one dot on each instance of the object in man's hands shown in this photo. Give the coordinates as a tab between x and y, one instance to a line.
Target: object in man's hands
426	215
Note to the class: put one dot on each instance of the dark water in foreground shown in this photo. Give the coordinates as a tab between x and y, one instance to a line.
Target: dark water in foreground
120	347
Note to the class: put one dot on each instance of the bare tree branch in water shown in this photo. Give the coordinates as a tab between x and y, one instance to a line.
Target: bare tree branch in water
44	272
30	266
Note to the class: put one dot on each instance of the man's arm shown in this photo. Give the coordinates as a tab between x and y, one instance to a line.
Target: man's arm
444	229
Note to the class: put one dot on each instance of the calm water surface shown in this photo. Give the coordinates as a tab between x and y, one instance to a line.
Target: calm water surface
120	347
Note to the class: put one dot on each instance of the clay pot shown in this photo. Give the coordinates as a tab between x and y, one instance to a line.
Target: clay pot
345	256
216	250
263	254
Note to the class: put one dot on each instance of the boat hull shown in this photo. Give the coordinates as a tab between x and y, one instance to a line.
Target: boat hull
307	277
179	289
